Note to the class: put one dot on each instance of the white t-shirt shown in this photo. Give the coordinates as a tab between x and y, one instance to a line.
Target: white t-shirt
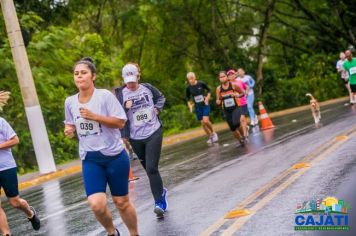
6	133
340	69
92	135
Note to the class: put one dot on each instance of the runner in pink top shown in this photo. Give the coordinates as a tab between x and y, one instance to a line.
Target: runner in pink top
243	86
242	102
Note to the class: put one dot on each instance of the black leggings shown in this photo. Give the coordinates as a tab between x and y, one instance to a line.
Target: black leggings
149	152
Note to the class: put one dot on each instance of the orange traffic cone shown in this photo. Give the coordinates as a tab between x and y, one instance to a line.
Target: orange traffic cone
131	176
266	122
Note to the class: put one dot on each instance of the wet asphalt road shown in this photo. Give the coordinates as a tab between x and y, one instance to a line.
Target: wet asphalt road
205	182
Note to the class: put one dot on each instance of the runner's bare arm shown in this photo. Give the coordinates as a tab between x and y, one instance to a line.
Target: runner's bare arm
218	98
190	106
247	89
10	143
343	72
239	90
207	98
111	122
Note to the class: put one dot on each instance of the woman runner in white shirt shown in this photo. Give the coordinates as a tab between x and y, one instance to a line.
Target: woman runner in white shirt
96	116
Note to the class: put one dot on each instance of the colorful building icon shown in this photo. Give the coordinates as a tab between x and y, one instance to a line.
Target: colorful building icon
328	205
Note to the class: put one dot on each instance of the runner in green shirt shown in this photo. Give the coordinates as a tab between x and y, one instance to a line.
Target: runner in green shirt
350	67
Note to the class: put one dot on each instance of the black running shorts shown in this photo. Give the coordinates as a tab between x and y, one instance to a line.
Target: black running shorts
233	118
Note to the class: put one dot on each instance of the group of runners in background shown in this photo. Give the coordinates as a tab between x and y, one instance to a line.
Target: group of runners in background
236	97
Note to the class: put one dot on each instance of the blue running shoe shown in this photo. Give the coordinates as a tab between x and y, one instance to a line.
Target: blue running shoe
158	210
161	205
164	200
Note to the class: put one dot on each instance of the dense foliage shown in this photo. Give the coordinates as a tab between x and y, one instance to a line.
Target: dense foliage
168	39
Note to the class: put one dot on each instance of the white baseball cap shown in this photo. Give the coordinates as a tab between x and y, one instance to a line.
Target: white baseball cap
130	73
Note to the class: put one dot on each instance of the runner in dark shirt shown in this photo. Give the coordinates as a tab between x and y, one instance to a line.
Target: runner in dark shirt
200	93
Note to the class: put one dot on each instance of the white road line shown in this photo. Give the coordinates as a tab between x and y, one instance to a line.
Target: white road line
64	210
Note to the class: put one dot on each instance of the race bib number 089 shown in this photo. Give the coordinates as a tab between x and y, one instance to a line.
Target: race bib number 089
142	116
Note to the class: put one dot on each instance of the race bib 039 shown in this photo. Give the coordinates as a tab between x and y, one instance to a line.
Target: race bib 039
86	127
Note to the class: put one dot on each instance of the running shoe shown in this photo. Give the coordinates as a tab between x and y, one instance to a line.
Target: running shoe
159	209
161	205
210	140
242	141
117	233
164	199
256	121
35	221
214	137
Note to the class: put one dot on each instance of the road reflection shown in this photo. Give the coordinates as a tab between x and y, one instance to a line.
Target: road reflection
53	204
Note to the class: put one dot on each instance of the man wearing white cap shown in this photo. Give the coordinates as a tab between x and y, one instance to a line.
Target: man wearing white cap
142	103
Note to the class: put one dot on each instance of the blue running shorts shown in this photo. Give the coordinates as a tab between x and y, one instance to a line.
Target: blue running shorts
201	111
100	170
9	182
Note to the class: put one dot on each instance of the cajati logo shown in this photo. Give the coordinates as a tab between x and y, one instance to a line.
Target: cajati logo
327	214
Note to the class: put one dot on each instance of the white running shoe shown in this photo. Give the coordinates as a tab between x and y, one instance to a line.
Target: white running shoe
242	141
214	137
256	121
210	141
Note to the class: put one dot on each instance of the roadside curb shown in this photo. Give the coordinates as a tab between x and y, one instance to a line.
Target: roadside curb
167	141
47	177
